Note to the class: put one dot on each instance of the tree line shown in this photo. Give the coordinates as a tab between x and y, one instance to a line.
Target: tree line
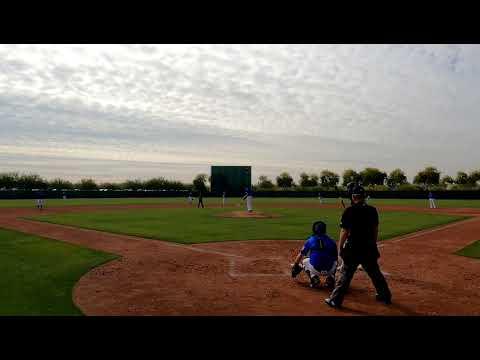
375	179
371	178
9	181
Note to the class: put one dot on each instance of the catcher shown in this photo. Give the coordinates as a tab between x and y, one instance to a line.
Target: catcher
321	255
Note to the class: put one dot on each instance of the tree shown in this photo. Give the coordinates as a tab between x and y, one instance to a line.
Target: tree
314	179
158	183
284	180
110	186
396	178
349	176
447	180
308	180
264	182
372	176
134	185
329	179
175	185
429	176
60	184
87	184
31	181
8	180
200	182
462	178
474	177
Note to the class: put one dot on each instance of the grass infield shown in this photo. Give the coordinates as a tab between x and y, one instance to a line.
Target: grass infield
192	225
37	275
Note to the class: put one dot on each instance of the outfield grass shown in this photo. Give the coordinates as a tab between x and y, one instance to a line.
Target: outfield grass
25	203
472	250
37	275
191	225
259	201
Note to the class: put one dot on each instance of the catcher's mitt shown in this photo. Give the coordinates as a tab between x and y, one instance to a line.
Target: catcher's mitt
296	269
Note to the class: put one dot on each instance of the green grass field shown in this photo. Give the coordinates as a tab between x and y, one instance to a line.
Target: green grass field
37	275
472	250
191	225
258	201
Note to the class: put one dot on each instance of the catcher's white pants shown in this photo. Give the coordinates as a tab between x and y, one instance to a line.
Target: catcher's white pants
313	271
250	203
432	204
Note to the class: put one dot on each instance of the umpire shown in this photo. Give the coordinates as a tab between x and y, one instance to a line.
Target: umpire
358	246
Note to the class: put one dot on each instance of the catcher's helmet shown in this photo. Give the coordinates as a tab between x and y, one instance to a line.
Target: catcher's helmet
319	228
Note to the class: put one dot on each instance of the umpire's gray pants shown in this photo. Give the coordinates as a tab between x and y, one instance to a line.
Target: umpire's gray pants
346	275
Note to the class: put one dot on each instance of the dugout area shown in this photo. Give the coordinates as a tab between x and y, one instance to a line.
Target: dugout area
232	179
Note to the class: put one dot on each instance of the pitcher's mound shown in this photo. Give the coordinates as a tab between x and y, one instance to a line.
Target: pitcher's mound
246	214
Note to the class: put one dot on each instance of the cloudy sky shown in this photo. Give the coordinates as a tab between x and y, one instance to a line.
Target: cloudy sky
135	111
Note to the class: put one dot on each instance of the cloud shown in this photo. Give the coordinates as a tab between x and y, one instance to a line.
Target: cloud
289	107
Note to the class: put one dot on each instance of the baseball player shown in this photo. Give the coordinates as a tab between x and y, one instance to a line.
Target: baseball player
190	198
224	194
320	197
200	199
431	200
40	204
321	255
249	196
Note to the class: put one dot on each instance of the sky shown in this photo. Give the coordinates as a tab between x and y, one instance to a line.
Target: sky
114	112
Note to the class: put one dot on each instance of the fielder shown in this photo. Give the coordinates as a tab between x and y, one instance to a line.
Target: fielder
200	199
224	194
249	196
320	198
190	198
431	200
40	204
321	255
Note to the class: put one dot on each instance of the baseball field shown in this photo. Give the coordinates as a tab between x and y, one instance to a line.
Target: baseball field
163	256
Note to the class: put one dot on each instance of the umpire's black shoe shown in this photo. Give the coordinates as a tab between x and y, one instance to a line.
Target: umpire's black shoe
383	299
332	303
330	282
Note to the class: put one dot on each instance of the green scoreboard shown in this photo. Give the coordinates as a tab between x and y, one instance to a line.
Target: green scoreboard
232	179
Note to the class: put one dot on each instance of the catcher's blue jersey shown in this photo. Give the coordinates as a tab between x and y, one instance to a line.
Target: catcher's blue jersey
322	251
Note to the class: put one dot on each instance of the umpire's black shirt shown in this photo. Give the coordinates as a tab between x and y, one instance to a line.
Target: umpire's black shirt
361	220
